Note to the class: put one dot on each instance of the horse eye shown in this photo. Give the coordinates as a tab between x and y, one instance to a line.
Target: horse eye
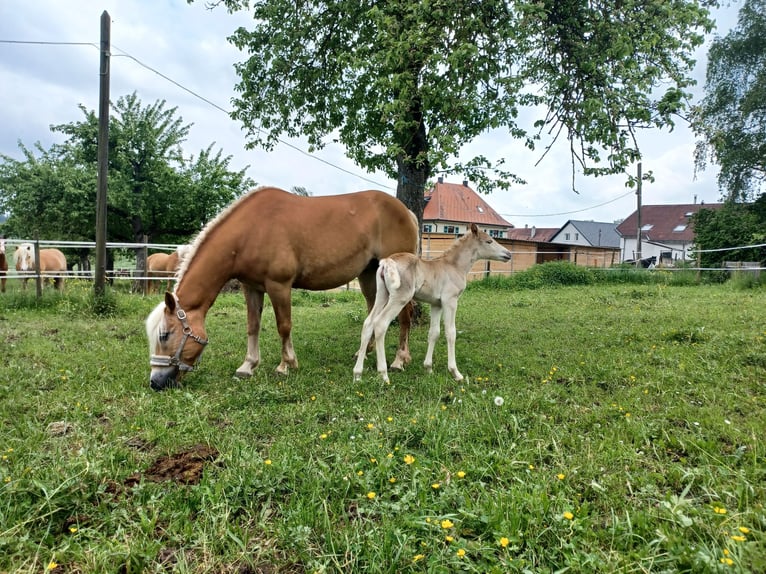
164	336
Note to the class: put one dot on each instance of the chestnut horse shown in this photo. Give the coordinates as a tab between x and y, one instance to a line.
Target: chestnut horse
3	264
274	241
52	263
164	266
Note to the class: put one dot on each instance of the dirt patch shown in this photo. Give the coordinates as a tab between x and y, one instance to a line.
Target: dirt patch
185	467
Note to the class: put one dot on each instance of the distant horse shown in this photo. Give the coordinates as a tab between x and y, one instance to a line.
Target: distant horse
164	265
274	241
52	263
3	264
438	282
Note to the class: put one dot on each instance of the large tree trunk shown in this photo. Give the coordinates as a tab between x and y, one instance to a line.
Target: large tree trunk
413	166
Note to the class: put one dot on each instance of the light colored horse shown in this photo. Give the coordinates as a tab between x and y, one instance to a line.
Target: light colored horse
438	282
274	241
164	266
3	264
52	263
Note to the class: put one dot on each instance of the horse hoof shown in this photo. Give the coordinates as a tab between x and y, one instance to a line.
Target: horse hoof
243	374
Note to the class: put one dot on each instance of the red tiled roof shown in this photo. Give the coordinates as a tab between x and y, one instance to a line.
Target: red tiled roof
668	222
459	203
538	234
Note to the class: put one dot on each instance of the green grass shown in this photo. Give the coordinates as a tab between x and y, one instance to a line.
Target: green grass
629	438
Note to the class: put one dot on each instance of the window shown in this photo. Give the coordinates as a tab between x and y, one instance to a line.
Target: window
427	228
647	227
679	228
451	229
496	233
577	237
567	236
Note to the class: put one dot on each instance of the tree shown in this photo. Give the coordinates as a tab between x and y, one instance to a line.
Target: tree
405	84
732	225
731	119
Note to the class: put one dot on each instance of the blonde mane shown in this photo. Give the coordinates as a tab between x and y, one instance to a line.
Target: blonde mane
202	235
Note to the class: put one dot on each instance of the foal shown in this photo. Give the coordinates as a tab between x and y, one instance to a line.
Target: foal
438	282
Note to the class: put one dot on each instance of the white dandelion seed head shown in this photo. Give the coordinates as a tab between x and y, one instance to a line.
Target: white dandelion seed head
499	401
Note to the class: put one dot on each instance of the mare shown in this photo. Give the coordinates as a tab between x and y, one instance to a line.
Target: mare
52	263
273	241
3	265
164	266
438	282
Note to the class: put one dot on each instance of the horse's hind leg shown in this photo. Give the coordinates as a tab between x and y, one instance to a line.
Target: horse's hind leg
403	356
280	300
254	301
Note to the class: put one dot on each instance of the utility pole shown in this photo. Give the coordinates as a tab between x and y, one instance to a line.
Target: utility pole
638	218
103	156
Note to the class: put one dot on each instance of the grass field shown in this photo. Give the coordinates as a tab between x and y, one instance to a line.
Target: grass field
602	428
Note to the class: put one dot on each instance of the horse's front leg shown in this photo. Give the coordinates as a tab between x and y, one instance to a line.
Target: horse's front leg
450	333
281	301
254	301
433	336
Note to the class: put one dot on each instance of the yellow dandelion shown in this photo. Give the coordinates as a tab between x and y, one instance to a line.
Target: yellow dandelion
448	539
727	561
744	529
359	472
531	467
52	565
370	426
504	542
739	538
460	553
447	523
392	480
418	557
390	455
719	510
436	486
460	474
568	515
313	397
390	419
371	495
561	476
323	436
409	459
267	462
374	460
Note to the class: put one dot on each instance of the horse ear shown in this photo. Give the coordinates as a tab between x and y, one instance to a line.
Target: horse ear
170	301
474	229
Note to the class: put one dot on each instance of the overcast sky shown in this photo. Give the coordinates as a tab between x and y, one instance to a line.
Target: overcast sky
42	85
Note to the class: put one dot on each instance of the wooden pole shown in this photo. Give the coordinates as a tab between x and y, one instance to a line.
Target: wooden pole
638	218
103	156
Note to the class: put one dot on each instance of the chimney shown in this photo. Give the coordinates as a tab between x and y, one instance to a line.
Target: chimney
533	232
465	183
441	179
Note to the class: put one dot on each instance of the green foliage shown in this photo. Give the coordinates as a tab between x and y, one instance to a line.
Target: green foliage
731	120
404	85
593	434
732	225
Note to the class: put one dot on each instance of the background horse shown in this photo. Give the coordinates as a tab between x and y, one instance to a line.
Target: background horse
164	266
3	264
438	282
273	241
52	262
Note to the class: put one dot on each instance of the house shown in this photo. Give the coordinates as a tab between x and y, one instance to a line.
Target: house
666	232
451	208
588	233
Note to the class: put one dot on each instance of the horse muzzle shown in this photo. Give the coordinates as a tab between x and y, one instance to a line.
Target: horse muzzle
164	378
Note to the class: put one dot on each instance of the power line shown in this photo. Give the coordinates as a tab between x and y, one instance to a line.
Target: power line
568	212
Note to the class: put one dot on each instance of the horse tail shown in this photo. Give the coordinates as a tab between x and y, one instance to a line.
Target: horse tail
389	272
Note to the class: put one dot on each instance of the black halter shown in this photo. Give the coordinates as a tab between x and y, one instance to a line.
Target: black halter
175	360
